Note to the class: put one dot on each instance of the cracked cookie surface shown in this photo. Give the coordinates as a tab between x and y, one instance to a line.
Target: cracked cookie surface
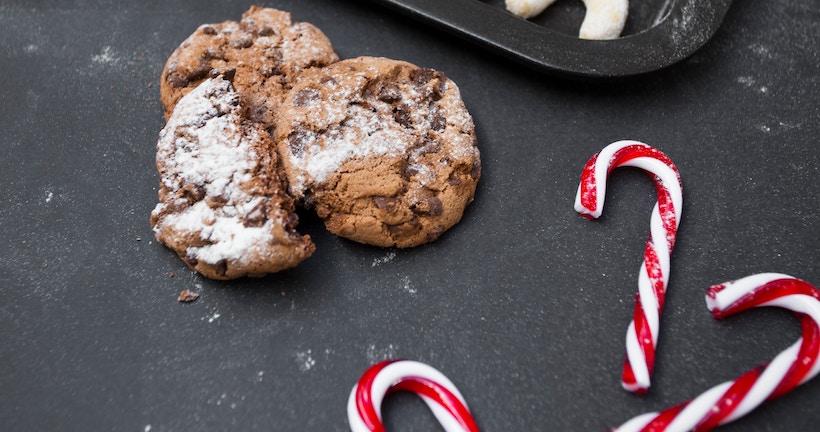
383	150
267	49
223	204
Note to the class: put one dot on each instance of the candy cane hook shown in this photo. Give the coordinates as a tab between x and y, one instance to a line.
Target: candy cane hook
731	400
440	394
642	334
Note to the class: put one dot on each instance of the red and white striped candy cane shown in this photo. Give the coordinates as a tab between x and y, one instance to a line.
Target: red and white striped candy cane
794	366
642	334
440	394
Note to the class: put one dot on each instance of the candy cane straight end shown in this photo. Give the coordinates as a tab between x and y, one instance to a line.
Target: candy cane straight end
438	392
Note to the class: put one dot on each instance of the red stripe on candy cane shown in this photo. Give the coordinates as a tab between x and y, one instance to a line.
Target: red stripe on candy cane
792	367
381	379
642	334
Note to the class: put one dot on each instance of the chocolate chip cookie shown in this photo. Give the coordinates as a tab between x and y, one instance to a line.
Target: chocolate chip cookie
223	203
383	150
266	48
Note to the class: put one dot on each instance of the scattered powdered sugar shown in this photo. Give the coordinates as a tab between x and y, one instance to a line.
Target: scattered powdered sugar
407	285
107	56
750	82
305	360
384	260
375	354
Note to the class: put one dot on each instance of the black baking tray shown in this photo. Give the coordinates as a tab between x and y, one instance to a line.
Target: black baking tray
523	304
680	28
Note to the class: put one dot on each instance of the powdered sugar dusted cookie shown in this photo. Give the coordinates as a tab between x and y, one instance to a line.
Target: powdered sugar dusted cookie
223	205
267	48
384	151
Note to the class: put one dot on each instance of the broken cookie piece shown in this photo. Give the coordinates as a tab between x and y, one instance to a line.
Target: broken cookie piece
223	206
187	296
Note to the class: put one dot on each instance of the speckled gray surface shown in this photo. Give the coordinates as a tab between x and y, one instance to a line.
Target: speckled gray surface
523	305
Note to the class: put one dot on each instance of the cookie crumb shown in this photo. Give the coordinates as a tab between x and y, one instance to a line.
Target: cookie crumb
187	296
170	274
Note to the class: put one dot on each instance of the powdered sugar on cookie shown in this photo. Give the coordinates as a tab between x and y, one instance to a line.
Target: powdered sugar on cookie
361	134
348	127
218	209
209	156
383	150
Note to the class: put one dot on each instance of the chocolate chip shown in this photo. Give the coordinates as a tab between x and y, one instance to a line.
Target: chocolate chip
221	267
201	71
177	206
435	232
255	220
298	140
389	93
177	81
306	97
402	116
192	259
386	204
291	221
209	30
476	171
410	171
274	54
193	193
438	92
327	79
430	206
267	31
454	180
242	41
257	216
216	201
422	76
213	54
437	120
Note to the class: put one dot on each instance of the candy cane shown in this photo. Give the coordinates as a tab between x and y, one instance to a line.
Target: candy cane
440	394
794	366
642	335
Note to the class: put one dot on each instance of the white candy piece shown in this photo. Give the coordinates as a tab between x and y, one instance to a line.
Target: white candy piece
605	19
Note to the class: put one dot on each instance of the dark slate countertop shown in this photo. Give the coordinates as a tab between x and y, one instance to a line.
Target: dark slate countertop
523	304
